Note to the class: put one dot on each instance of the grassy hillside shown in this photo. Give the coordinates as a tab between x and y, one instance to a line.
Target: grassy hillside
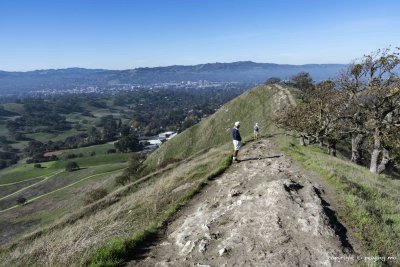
104	232
253	106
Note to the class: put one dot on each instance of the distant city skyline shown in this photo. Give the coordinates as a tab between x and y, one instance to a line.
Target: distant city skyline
120	34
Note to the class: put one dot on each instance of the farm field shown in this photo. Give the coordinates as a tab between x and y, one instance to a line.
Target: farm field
51	192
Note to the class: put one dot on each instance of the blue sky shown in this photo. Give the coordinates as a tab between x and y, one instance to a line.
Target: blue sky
118	34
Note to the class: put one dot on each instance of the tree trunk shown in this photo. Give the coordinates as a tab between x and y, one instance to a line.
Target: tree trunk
385	160
373	167
332	147
357	141
374	161
320	141
302	140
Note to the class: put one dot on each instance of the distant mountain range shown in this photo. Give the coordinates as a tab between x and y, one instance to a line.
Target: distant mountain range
243	71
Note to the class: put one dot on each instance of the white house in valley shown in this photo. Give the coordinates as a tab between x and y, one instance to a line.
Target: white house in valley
153	144
166	135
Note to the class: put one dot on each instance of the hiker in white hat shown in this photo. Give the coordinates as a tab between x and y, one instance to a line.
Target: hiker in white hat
236	140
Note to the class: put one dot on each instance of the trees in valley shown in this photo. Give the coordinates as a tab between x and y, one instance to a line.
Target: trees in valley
71	166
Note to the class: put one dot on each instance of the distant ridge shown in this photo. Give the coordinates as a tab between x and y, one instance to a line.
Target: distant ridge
241	71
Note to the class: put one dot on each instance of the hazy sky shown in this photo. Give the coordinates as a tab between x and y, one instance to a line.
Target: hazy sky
117	34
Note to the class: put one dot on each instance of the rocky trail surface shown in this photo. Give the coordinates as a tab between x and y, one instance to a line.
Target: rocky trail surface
263	211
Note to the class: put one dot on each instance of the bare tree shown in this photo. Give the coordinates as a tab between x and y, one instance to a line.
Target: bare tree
350	83
317	117
302	81
292	119
272	80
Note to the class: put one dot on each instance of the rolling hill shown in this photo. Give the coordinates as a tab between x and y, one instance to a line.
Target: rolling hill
253	106
246	71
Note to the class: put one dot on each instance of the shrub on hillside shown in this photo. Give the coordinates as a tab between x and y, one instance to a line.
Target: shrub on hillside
135	165
21	201
7	159
111	151
37	165
3	164
133	171
94	195
122	179
71	166
272	80
128	143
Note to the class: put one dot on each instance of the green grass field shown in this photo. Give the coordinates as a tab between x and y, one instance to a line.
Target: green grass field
14	107
60	136
23	171
98	149
95	160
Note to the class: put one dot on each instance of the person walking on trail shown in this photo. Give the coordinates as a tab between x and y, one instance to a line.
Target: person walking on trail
256	130
236	141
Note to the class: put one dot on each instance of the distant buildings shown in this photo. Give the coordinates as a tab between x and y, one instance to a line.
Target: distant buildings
114	89
166	135
156	142
153	144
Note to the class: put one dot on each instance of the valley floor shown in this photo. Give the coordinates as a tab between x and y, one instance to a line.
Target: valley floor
263	211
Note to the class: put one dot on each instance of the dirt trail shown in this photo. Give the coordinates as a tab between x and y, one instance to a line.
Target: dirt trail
263	211
283	98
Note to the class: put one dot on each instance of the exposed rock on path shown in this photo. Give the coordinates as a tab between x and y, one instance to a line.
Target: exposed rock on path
263	211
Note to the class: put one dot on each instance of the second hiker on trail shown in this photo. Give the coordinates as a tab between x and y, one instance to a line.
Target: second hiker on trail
256	130
236	140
